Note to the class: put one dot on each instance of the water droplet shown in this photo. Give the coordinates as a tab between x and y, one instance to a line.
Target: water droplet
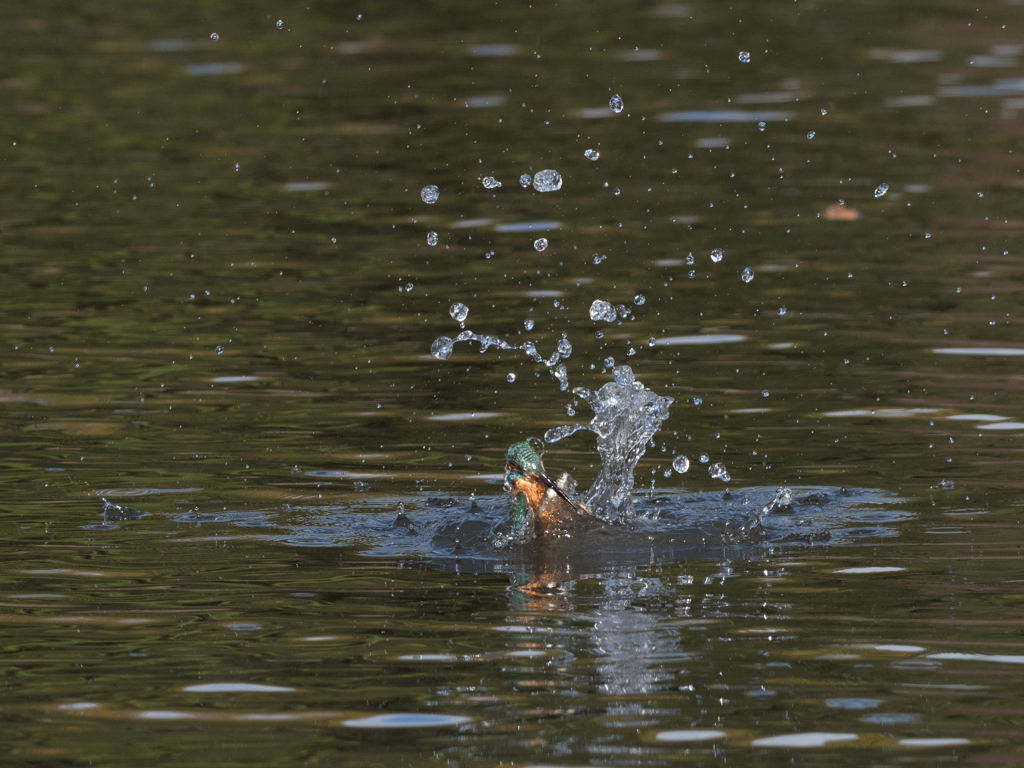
491	183
639	299
810	134
881	189
602	310
698	400
564	347
525	180
824	111
215	37
631	352
651	341
764	393
409	287
704	458
220	350
238	167
510	378
716	255
719	472
745	57
762	125
547	181
747	275
442	347
459	311
681	464
280	24
540	244
429	194
981	194
782	311
846	361
598	258
689	259
431	238
616	191
528	324
691	274
615	103
592	154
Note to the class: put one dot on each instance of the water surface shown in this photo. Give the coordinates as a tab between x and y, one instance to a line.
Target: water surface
207	320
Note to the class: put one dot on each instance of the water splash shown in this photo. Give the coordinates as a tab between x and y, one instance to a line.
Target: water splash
443	347
626	416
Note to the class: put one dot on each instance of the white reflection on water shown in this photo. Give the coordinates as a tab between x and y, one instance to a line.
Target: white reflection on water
703	338
306	186
975	417
690	735
996	658
980	351
871	569
236	688
950	742
852	703
464	416
812	739
407	721
1005	425
529	226
888	413
164	714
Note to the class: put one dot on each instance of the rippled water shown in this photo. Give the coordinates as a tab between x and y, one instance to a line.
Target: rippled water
222	287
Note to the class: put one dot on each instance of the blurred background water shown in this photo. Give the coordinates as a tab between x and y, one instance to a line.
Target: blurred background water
217	311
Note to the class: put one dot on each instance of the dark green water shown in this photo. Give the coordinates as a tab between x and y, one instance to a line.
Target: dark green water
164	195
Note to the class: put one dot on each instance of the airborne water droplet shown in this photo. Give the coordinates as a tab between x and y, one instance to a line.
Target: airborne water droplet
697	400
431	238
681	464
704	458
547	181
220	350
459	311
215	37
442	347
716	255
528	324
747	275
510	378
719	472
429	194
615	103
881	189
491	183
525	180
592	154
765	393
280	24
824	111
762	125
745	57
540	244
810	134
602	310
782	311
